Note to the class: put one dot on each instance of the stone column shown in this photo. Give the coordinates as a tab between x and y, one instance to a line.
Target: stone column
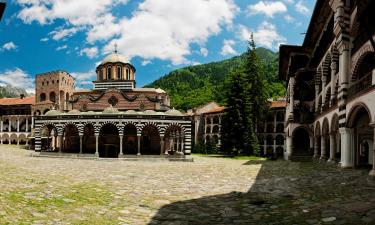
333	83
265	146
316	148
10	126
61	142
27	124
274	147
1	126
289	148
324	83
18	141
346	147
183	144
178	142
18	124
121	150
139	144
332	148
80	144
291	97
97	145
323	148
372	172
316	98
161	145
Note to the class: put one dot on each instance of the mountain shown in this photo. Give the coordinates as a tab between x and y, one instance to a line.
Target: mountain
193	86
9	91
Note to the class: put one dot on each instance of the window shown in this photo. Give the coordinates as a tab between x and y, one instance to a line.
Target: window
119	72
127	74
101	72
42	97
109	73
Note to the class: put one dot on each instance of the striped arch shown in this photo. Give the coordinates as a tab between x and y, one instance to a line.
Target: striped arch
160	131
108	122
177	125
357	60
58	129
335	55
327	65
318	77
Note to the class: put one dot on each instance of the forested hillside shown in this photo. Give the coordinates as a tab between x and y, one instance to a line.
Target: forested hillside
193	86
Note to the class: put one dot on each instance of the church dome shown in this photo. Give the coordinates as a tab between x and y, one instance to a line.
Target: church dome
53	112
114	57
173	112
110	110
74	111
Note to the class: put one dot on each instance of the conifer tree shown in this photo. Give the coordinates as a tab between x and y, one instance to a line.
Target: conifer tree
256	94
234	132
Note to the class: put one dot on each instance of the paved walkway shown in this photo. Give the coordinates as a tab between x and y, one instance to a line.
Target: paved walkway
207	191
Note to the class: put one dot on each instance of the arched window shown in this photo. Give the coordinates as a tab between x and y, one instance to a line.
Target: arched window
109	73
119	72
127	74
101	72
52	97
42	97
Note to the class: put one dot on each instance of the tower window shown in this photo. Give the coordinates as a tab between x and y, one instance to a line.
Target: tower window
119	72
101	74
109	73
127	74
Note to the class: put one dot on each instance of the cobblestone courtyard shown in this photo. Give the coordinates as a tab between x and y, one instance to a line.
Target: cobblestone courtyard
207	191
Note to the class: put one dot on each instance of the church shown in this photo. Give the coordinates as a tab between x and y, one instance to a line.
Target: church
114	119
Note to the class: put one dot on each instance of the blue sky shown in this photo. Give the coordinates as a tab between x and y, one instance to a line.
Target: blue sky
157	36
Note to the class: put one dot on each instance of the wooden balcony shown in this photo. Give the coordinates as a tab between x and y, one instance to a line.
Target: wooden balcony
360	86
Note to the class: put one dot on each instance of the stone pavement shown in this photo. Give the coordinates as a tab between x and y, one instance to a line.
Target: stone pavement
206	191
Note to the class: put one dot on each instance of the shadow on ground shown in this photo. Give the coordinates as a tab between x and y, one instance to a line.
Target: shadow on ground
284	193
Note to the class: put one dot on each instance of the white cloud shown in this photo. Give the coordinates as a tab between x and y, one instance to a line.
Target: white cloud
44	39
61	47
9	46
266	35
18	78
77	13
145	62
267	8
179	23
84	78
160	29
289	1
61	33
302	8
227	48
204	52
289	18
90	52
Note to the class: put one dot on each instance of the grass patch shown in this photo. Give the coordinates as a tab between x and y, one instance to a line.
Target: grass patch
250	158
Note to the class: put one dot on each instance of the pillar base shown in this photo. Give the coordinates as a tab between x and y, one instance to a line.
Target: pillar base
372	173
138	153
331	161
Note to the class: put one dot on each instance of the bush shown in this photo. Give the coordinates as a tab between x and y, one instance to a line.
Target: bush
205	149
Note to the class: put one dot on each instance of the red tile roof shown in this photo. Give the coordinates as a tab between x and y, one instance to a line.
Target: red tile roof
216	110
278	104
18	101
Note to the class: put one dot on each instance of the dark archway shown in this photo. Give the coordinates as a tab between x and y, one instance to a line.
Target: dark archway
150	142
109	141
88	139
130	140
48	135
359	120
71	139
301	141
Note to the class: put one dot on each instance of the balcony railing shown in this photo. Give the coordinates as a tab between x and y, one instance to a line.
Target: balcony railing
360	86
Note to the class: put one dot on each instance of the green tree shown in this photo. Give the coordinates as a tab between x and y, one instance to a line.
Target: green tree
256	95
234	133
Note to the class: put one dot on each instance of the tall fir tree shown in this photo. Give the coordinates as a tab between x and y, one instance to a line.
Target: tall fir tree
256	92
246	103
234	133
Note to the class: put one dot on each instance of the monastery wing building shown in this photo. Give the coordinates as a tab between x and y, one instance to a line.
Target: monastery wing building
112	120
330	111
